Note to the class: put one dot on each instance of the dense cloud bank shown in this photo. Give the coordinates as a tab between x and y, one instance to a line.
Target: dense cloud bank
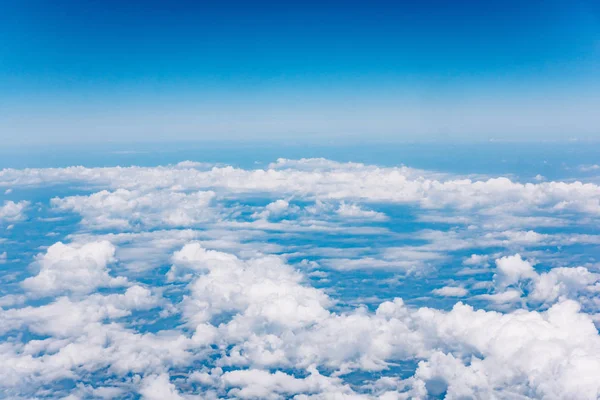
309	279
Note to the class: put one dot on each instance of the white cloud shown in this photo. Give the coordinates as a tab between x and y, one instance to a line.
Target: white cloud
125	209
262	290
13	212
555	354
567	282
516	280
231	315
76	269
68	318
512	269
276	320
274	209
355	211
158	387
259	384
477	260
451	291
589	168
325	179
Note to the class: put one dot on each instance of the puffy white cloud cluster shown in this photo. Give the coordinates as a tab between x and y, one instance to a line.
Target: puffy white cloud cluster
516	279
263	288
323	179
355	211
261	314
127	209
451	291
76	269
135	305
275	321
274	209
13	212
554	354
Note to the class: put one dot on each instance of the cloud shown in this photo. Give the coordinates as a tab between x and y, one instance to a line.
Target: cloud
274	209
76	269
263	290
547	355
589	168
260	384
13	212
512	269
516	280
451	291
180	283
355	211
261	314
323	179
158	387
477	260
125	209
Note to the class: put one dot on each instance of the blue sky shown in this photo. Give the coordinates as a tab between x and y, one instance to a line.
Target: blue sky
85	72
166	233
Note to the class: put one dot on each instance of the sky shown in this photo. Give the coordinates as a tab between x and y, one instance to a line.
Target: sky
88	72
308	201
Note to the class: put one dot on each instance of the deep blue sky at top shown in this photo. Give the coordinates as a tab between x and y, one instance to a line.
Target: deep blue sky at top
129	70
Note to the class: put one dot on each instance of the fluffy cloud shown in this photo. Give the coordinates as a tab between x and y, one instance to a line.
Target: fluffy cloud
12	212
274	209
330	180
261	314
512	269
260	384
260	302
76	269
355	211
541	355
123	209
516	279
369	341
262	291
158	387
451	291
70	318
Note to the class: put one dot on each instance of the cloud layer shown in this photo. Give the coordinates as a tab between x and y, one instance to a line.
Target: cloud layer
308	279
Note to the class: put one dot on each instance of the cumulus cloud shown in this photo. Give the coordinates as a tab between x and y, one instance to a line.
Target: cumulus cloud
158	387
265	290
261	313
260	384
355	211
317	178
541	355
477	260
259	302
512	269
517	280
125	209
76	269
13	212
274	209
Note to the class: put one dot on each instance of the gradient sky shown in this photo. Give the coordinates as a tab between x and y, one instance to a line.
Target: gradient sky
84	72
